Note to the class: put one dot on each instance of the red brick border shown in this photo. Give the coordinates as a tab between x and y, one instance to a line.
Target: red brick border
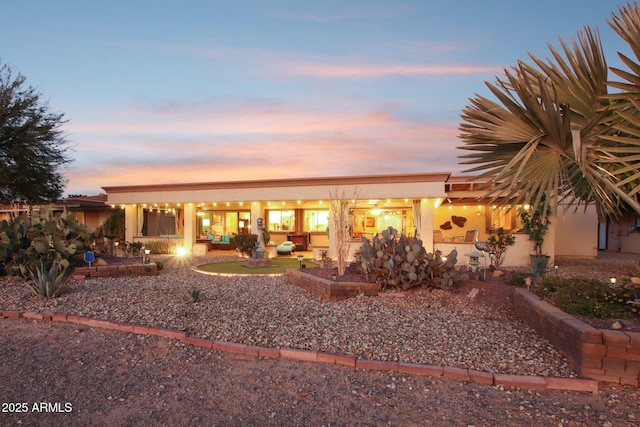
327	289
460	374
599	354
80	273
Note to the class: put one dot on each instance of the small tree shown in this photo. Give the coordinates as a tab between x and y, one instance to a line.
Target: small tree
536	222
32	145
498	244
114	226
342	224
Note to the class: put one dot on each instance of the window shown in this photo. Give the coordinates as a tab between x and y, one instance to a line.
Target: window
503	217
224	222
281	220
159	223
316	220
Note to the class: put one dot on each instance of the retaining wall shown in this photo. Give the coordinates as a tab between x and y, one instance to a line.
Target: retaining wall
328	289
600	354
116	270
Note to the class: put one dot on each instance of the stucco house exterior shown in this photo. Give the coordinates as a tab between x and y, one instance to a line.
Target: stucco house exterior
437	207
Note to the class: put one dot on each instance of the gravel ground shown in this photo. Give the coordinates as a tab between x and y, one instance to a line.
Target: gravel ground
113	378
423	326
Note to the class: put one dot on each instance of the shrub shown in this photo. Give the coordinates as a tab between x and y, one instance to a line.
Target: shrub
498	244
114	225
393	260
161	246
587	297
246	243
133	248
516	278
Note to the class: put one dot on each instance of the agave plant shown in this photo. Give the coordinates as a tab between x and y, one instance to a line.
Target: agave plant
555	134
47	283
193	296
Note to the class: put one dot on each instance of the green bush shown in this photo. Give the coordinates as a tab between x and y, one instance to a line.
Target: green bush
133	248
114	225
587	297
516	278
498	244
246	243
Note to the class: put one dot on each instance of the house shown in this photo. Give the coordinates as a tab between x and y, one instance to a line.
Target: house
437	207
89	210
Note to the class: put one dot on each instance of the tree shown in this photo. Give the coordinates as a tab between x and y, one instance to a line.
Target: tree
556	134
33	148
341	222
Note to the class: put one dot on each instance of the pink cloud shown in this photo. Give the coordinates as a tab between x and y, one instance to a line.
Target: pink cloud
220	121
202	142
349	71
385	149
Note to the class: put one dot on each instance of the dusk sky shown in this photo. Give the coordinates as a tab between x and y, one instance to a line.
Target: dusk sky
198	91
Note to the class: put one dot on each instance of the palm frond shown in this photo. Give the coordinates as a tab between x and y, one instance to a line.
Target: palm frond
555	134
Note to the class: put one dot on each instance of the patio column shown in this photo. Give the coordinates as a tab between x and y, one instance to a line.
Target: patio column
257	211
189	238
427	216
130	222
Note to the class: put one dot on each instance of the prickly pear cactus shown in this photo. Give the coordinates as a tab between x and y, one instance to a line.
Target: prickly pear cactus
394	260
13	239
43	236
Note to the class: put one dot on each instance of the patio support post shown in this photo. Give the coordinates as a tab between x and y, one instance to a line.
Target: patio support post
130	222
189	226
427	217
257	212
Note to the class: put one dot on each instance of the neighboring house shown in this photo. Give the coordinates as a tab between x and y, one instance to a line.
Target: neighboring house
436	206
89	210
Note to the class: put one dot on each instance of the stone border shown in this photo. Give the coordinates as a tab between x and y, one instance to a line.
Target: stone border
458	374
600	354
329	290
115	270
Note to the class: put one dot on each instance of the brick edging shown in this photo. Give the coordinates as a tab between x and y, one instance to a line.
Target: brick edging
115	270
459	374
599	354
330	290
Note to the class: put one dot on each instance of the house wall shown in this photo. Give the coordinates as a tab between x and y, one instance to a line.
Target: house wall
624	236
474	214
576	233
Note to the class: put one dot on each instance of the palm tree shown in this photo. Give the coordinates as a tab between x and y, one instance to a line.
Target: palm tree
555	134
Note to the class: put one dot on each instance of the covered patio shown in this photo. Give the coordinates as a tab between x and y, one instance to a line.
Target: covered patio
437	208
